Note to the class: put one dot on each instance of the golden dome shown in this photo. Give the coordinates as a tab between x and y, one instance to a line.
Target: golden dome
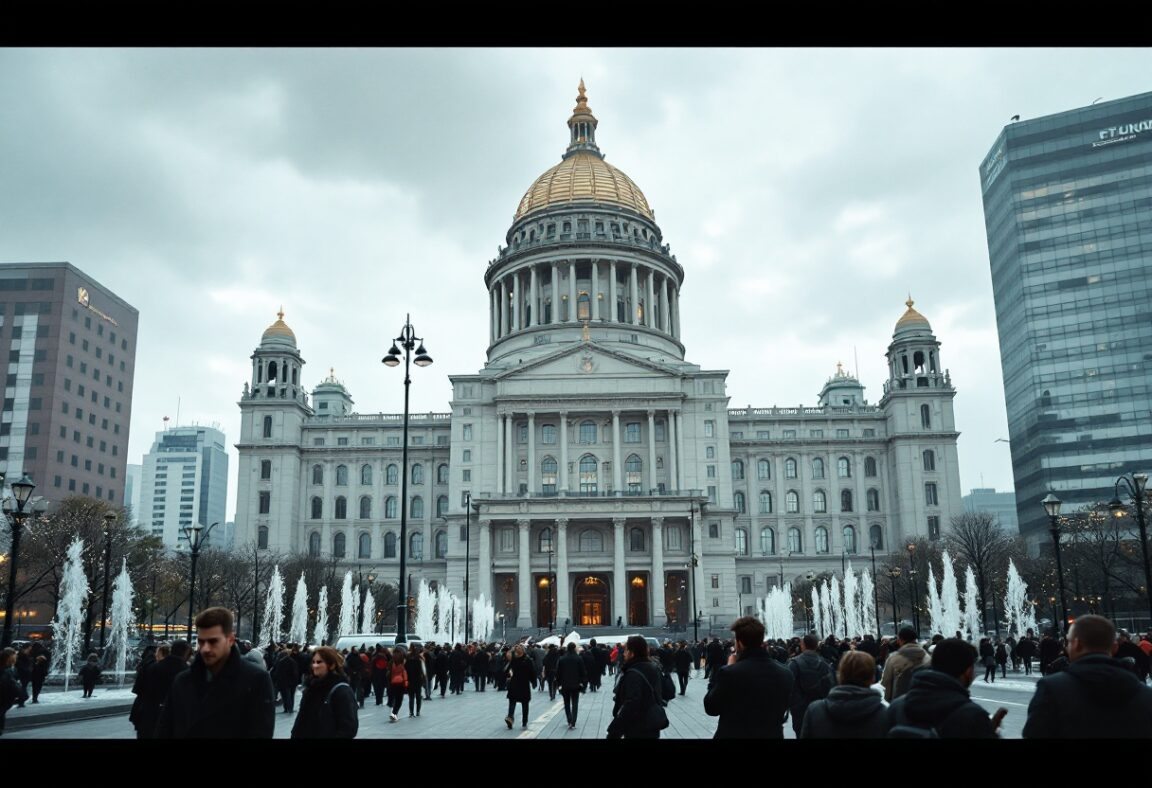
912	320
278	330
583	177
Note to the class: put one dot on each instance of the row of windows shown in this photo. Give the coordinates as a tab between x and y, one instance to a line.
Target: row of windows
796	540
391	474
90	441
792	468
100	329
415	507
85	488
819	501
364	544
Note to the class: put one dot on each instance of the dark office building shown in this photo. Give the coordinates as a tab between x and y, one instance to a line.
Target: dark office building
71	347
1068	209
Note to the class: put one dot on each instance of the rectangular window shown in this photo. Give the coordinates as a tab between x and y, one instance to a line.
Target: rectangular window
632	432
715	581
466	455
815	433
341	441
869	432
930	498
71	485
713	530
393	440
712	493
507	540
763	434
317	441
467	432
745	585
467	476
417	440
737	436
710	452
56	481
789	434
933	527
522	433
265	502
841	433
711	471
709	428
367	441
660	431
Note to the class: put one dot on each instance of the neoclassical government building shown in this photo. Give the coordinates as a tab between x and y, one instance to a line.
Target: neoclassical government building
598	460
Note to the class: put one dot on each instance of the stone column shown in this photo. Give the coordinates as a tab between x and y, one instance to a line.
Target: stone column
657	583
619	576
616	452
555	317
485	558
675	313
503	309
524	581
650	303
563	604
635	297
572	292
594	292
612	291
517	308
665	319
493	334
563	480
499	452
670	441
702	593
652	450
531	452
680	449
533	295
510	450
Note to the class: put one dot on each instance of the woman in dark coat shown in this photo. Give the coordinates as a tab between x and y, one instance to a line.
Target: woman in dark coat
1002	659
89	673
9	687
988	660
39	676
521	680
146	659
852	710
328	706
417	679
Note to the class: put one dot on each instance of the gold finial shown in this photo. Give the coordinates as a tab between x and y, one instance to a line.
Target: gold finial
581	101
586	335
909	302
280	314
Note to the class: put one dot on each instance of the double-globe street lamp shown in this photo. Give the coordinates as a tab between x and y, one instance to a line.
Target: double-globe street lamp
894	575
912	586
468	506
22	492
1137	488
1052	507
407	340
109	518
196	536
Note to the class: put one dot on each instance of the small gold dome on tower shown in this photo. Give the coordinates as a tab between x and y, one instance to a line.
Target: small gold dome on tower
278	330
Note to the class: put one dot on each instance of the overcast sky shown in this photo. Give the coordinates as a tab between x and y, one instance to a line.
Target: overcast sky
805	192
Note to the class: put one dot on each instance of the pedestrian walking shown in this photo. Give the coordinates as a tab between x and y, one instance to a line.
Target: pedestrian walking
683	662
751	693
417	679
572	677
638	710
171	661
23	672
328	707
39	676
9	684
1026	650
380	662
521	677
988	660
813	680
397	683
90	674
900	665
551	659
1001	659
147	659
852	709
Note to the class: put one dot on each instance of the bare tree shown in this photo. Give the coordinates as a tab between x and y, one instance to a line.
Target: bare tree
979	541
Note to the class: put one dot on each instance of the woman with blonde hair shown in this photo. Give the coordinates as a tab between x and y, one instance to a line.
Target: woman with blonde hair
521	678
328	706
852	710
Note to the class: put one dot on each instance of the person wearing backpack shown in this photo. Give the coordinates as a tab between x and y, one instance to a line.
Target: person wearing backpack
379	664
328	706
750	694
397	683
899	665
638	712
937	703
814	680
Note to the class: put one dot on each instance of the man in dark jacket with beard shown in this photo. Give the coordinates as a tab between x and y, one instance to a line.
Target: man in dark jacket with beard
814	680
222	695
937	704
1096	696
750	694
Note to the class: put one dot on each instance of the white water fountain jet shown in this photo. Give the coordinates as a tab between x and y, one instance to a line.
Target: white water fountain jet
441	615
1019	614
424	626
817	614
935	611
836	603
971	606
851	604
122	622
483	619
826	611
368	612
274	608
320	633
952	617
69	623
347	623
298	633
867	597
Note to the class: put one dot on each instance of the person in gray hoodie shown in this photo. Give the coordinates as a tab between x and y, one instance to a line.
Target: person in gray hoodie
814	679
852	710
898	667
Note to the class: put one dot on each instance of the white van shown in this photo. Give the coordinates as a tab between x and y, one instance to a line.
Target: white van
370	639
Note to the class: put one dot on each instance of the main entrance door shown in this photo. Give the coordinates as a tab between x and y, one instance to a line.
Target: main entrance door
592	607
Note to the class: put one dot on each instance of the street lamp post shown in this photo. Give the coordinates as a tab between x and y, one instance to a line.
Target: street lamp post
109	518
21	491
364	590
551	581
196	540
912	586
256	597
1052	507
894	575
875	589
468	563
692	572
407	340
503	629
1137	489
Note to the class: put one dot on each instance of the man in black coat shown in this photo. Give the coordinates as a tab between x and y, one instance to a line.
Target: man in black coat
1050	650
155	683
937	704
591	665
713	657
750	694
286	675
222	696
1126	649
572	677
814	680
480	668
1096	696
683	660
637	695
1026	650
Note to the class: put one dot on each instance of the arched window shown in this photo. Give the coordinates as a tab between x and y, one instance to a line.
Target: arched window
391	475
548	476
844	468
341	507
390	508
817	468
591	541
819	502
821	540
267	426
544	541
741	541
364	546
317	474
417	508
849	540
314	544
587	475
763	469
441	505
583	307
441	544
929	460
365	507
442	473
338	541
767	541
632	474
341	475
869	466
789	468
416	546
587	432
738	501
876	537
262	537
765	502
925	417
792	502
366	474
845	500
737	469
390	545
873	500
636	540
317	508
417	474
795	541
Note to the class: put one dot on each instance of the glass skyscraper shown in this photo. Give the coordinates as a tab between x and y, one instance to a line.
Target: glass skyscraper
1068	211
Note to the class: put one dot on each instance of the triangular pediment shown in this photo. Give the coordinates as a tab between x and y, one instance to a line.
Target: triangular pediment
588	360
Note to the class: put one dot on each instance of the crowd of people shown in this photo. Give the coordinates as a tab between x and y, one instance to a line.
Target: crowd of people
1094	683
